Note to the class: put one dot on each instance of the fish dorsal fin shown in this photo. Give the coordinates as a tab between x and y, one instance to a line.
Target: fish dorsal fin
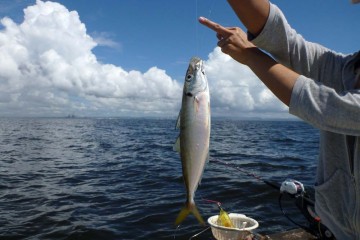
176	146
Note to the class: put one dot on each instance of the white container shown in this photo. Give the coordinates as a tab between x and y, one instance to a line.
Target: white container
243	225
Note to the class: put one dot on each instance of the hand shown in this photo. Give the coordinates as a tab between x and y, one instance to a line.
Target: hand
232	41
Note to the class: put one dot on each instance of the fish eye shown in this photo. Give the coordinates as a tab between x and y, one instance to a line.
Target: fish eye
188	77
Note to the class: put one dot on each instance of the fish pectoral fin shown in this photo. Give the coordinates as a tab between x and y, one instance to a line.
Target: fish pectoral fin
185	211
177	126
196	103
176	146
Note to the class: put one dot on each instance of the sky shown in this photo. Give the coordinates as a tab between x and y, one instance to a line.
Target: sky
119	58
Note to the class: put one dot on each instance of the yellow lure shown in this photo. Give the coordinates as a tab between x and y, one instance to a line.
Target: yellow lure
224	219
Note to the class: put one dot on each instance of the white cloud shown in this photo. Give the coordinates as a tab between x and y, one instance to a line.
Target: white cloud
104	39
47	68
235	90
46	63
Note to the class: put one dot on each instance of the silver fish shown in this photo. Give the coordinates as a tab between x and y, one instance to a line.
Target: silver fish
194	139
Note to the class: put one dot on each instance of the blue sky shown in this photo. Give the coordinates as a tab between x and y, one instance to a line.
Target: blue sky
129	57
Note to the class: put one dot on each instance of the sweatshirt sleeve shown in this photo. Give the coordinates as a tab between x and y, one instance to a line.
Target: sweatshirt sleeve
287	46
326	109
319	96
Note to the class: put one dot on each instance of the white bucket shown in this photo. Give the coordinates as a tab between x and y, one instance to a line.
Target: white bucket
243	225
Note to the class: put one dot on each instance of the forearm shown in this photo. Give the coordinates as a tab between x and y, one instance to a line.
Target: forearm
278	78
233	41
252	13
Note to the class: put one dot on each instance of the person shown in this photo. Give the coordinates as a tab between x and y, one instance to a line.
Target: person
320	86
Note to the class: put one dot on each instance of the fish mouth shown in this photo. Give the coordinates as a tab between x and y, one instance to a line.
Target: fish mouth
195	61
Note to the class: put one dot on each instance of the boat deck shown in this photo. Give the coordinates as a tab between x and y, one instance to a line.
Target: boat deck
295	234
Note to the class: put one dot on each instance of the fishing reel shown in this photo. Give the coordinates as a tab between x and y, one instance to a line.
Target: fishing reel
295	189
303	202
292	187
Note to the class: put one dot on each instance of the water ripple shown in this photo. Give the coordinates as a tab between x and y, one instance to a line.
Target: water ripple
120	179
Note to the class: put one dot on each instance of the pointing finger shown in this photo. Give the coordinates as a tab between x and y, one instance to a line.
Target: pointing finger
220	30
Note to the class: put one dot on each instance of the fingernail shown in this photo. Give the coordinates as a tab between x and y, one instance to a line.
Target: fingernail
202	19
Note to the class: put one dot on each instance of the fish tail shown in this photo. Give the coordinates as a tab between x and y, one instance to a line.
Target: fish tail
186	210
196	213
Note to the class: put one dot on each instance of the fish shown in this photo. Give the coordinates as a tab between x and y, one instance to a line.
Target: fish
193	143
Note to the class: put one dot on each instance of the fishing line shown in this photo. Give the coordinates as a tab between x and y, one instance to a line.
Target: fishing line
198	37
211	201
197	27
211	8
193	236
253	175
197	234
176	230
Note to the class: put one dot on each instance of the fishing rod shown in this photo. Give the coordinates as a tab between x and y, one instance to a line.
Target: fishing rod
296	190
253	175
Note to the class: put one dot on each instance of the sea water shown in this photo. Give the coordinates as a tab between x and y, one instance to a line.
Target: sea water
98	178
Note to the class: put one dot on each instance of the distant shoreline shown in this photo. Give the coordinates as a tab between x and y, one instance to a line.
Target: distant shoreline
216	118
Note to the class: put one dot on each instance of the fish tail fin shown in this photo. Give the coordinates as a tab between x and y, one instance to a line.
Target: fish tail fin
182	215
186	210
197	214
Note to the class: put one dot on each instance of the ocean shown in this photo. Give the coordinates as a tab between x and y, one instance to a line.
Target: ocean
117	178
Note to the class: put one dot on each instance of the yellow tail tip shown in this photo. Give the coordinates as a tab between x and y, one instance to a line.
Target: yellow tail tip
185	211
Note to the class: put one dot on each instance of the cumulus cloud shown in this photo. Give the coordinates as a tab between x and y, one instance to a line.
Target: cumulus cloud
236	90
104	39
47	68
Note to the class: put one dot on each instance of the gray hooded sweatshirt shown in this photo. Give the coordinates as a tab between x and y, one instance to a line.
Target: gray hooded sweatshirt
324	96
